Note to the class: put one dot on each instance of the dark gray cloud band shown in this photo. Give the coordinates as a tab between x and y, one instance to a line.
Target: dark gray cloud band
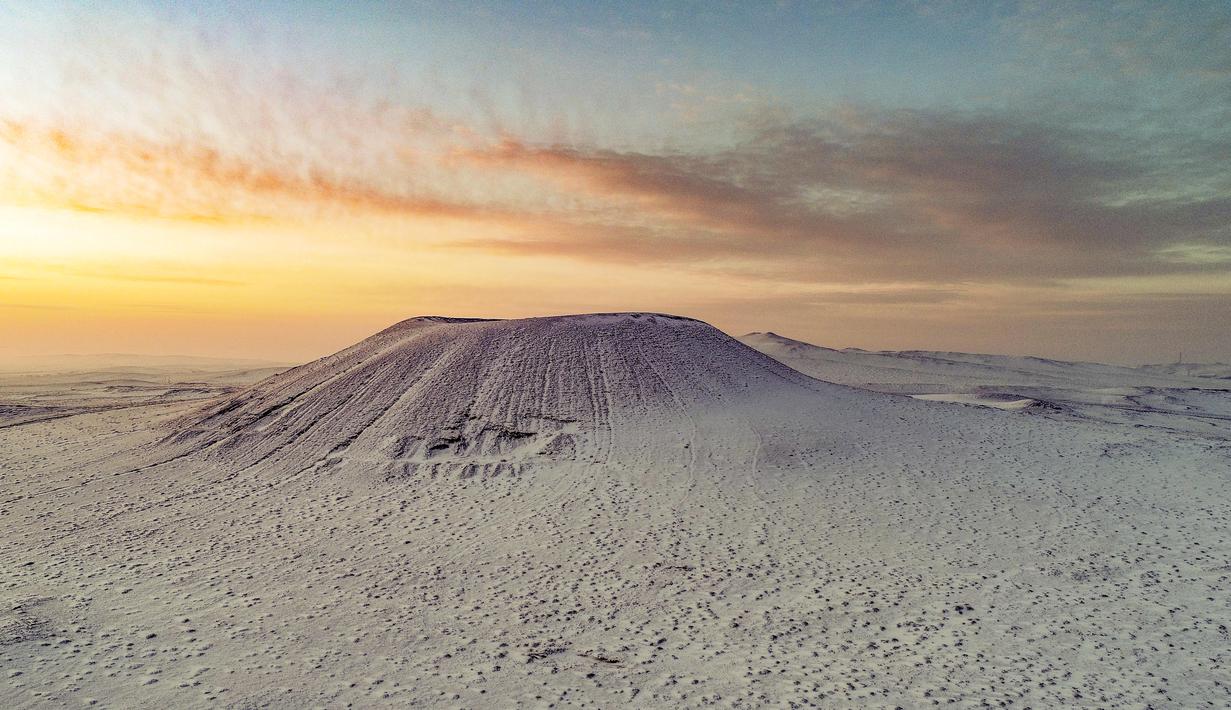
895	194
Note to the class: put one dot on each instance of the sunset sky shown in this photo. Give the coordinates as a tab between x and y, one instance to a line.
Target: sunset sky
281	179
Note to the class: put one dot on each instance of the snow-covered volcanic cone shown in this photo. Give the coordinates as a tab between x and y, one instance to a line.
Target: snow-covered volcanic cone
484	397
605	511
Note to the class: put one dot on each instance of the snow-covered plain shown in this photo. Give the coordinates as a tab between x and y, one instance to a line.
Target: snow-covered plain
617	510
35	388
1192	398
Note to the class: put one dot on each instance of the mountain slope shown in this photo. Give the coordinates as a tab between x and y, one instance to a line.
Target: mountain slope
1177	399
488	395
921	369
1211	370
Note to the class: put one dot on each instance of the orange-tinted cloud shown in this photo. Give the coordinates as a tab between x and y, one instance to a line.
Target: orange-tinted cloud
89	171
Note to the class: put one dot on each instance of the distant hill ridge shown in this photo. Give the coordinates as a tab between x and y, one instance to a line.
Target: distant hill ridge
853	366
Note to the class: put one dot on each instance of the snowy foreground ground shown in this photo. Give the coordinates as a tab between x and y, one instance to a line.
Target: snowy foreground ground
624	510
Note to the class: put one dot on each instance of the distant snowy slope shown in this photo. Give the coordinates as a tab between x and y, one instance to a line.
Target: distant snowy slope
921	368
128	362
1187	398
1213	370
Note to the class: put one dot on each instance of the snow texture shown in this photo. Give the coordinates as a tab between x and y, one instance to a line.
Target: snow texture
614	510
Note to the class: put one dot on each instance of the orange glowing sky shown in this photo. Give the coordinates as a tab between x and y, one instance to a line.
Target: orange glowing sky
280	182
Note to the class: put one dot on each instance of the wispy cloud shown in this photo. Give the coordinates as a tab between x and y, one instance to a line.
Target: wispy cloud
888	193
152	276
85	170
32	307
136	271
1201	254
855	195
